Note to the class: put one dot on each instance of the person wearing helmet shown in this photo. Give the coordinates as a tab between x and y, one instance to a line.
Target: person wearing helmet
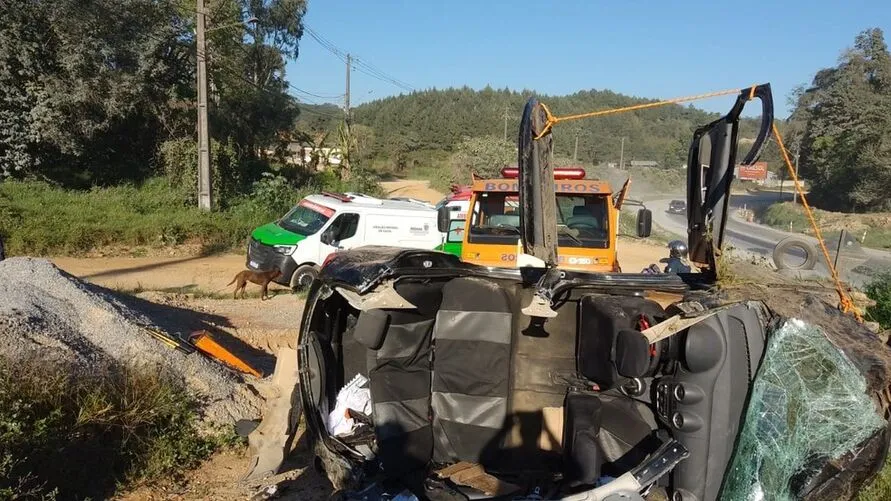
677	257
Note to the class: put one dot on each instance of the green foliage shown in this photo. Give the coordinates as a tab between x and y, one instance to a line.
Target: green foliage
871	230
880	488
47	220
39	219
441	119
879	290
179	158
485	156
72	434
91	90
844	129
780	215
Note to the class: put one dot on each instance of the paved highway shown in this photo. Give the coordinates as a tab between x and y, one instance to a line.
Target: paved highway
856	266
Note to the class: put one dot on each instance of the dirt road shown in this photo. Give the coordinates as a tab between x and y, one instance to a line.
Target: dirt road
211	274
412	188
178	274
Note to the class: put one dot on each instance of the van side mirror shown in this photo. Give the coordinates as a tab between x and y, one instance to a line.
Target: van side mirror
443	216
644	223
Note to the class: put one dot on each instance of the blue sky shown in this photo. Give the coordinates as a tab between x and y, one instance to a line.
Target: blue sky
648	49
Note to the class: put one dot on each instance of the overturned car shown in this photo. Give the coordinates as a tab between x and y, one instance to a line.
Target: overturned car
423	377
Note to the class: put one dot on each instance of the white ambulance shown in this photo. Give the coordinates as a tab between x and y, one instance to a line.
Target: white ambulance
299	242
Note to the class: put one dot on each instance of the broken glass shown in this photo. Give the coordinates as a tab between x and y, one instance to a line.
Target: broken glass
808	405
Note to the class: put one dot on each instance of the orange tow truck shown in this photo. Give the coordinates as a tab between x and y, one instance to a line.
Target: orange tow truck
587	222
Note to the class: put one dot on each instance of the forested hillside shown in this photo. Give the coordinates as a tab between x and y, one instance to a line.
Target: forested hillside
440	119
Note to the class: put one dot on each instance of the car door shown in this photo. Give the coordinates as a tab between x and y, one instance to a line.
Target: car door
710	168
343	233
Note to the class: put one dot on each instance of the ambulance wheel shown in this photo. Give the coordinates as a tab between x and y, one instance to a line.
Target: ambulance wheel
303	277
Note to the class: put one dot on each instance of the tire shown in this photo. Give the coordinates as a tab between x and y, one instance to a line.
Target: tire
779	253
303	277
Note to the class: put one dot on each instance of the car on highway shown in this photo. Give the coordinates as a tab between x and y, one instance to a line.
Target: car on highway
677	207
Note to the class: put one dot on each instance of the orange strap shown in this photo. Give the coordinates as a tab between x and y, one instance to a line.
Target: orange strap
844	300
551	120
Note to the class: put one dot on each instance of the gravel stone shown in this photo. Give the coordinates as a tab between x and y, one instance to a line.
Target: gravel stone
47	314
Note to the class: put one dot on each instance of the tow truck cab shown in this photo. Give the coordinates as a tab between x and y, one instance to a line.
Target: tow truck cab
587	222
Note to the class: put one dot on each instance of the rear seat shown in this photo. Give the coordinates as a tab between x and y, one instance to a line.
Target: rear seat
449	405
471	369
399	370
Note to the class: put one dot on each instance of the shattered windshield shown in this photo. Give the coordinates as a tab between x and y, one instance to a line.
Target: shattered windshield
808	406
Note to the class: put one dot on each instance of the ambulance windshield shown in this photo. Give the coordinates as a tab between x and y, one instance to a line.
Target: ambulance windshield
307	218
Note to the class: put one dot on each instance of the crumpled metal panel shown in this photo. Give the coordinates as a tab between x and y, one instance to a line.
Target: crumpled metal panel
809	406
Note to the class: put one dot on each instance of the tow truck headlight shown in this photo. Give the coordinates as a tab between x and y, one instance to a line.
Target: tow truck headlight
287	250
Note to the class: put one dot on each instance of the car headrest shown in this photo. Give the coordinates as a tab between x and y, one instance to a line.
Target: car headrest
371	327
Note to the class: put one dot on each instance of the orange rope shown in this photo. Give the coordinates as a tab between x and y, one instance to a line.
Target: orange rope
551	120
844	301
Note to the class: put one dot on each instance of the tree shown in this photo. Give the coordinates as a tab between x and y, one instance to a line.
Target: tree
844	129
92	89
82	84
484	156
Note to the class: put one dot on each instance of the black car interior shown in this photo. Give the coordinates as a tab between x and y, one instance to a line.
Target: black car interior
464	376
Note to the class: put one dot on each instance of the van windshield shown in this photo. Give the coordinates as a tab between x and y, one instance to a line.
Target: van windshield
306	219
582	220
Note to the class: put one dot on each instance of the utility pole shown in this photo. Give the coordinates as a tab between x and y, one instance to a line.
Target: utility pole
345	157
795	192
575	151
346	106
622	155
506	116
204	184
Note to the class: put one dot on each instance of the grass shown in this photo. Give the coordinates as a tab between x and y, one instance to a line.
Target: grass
787	217
880	488
879	290
38	219
872	230
71	434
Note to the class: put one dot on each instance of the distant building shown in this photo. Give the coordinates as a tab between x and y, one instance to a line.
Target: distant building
298	154
644	163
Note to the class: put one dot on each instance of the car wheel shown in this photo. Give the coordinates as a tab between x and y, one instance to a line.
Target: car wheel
303	277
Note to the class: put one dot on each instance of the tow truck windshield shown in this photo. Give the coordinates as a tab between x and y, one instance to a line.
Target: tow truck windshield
581	219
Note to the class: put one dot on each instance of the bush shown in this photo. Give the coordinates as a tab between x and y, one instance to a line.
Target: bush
179	159
69	434
780	215
879	290
38	219
49	221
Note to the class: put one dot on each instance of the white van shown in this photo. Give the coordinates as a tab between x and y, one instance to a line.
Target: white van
299	242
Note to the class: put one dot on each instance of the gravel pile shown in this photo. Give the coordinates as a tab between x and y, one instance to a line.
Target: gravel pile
49	315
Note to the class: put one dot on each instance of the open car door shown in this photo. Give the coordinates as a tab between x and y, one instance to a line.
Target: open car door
620	196
710	170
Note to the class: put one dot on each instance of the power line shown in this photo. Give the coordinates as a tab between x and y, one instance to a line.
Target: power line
357	63
220	61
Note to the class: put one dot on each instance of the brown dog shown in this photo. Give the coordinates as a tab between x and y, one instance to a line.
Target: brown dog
261	278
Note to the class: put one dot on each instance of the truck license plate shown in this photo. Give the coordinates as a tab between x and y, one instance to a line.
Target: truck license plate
253	264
